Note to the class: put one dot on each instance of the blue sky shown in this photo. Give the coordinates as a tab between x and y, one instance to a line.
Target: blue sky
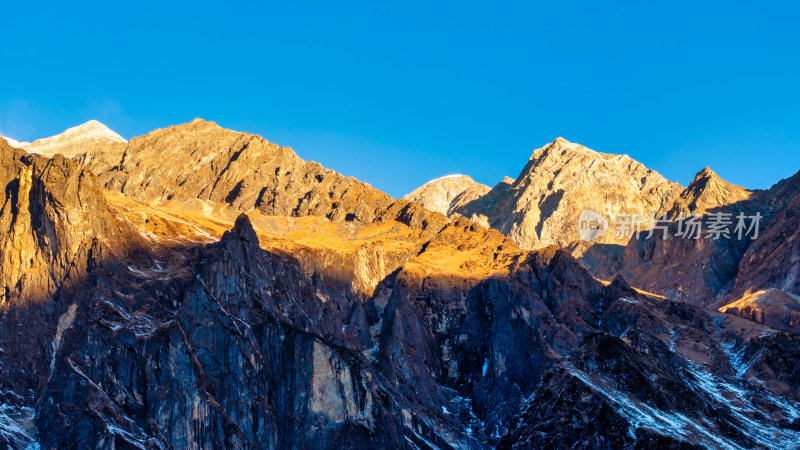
397	94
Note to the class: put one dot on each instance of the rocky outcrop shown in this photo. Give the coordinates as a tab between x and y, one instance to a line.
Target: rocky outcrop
439	195
54	218
242	354
773	259
55	229
707	271
562	179
771	306
706	192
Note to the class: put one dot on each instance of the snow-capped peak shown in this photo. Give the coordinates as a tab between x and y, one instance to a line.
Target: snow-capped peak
75	140
14	142
91	130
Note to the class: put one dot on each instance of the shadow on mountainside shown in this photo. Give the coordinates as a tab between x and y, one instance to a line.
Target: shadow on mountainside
709	272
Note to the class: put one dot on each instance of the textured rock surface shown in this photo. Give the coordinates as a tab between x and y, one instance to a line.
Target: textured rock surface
771	306
201	165
542	206
773	260
439	195
331	316
706	192
53	217
715	272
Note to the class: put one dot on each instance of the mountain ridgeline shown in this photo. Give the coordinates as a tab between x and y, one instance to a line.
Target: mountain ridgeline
198	287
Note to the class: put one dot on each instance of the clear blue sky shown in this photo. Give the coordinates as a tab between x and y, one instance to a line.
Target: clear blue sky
399	94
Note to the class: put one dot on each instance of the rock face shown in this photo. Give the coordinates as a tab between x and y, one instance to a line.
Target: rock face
54	217
773	259
714	272
331	316
201	165
543	205
706	192
771	306
439	195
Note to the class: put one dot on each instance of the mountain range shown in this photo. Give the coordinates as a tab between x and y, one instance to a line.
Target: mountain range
201	287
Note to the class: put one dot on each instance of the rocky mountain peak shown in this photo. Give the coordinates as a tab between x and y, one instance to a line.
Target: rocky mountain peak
704	178
76	140
707	191
561	146
706	172
562	152
200	166
560	180
439	194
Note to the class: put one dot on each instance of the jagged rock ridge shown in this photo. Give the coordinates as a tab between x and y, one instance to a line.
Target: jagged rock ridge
706	192
542	206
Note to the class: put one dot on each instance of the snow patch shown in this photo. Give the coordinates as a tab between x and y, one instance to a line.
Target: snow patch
14	142
641	415
740	403
17	427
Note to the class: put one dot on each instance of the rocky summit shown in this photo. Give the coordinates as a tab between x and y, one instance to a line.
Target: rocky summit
198	287
445	193
541	206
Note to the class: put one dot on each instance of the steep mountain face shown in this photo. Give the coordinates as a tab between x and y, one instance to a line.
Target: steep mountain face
773	259
331	316
706	271
440	194
55	227
53	217
483	203
201	165
543	205
233	350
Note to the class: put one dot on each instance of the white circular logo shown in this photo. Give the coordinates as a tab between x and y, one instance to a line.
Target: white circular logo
591	225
